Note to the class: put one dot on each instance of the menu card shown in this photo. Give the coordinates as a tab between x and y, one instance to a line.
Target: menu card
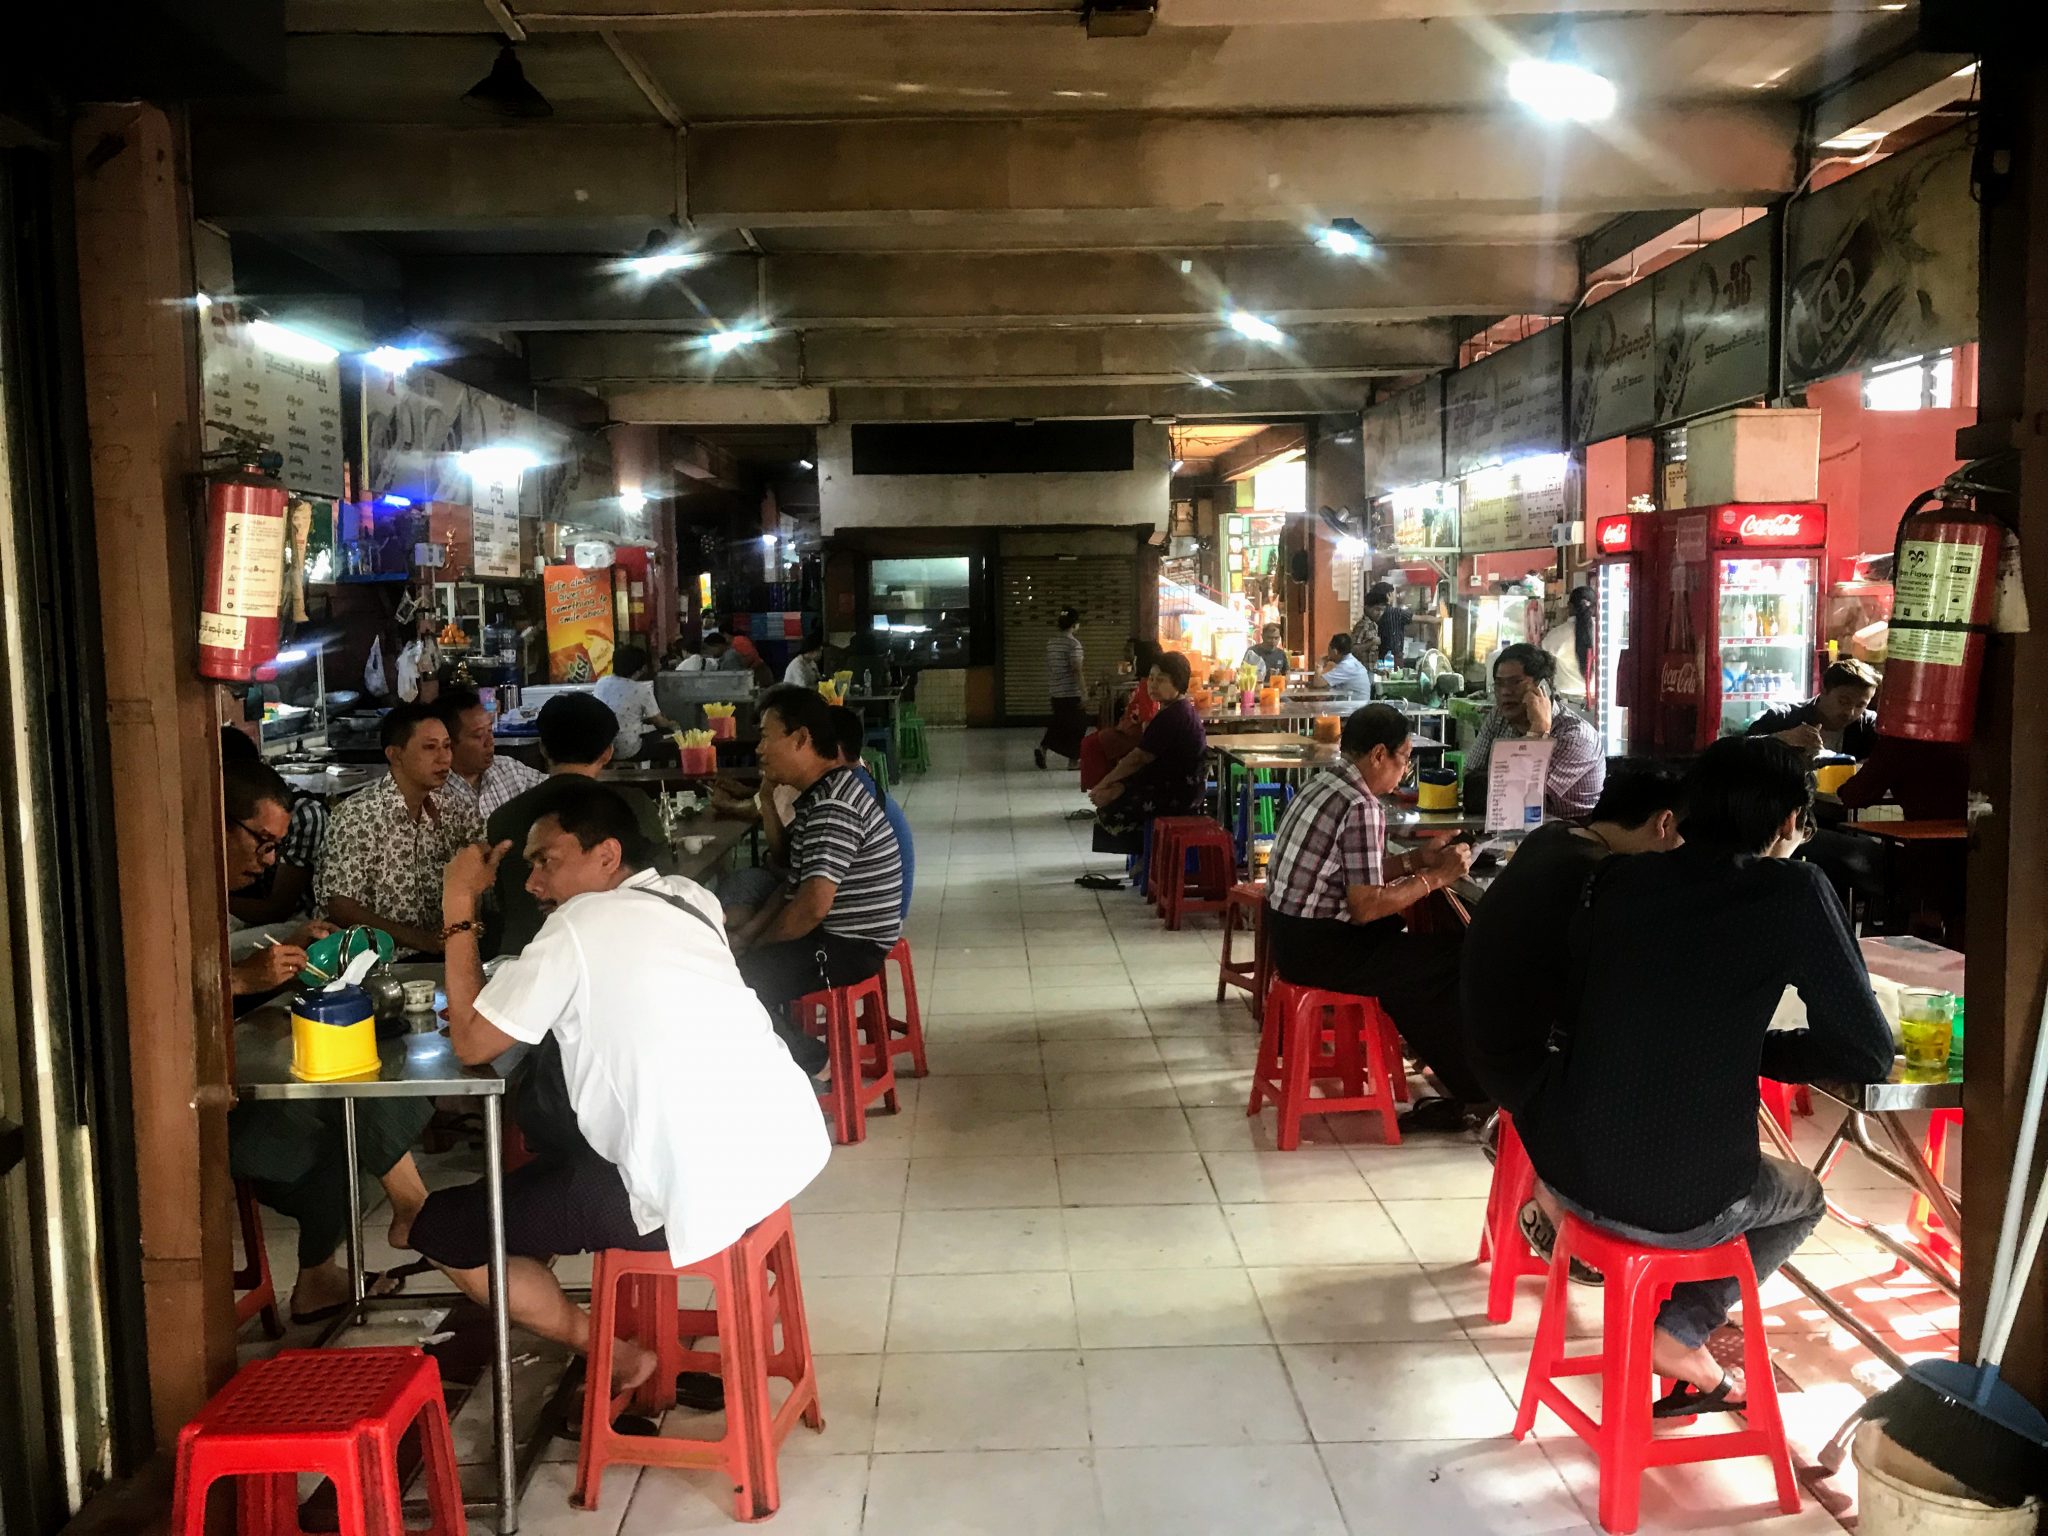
1515	776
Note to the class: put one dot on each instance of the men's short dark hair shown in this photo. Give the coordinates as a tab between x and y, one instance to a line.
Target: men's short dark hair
247	785
1145	656
1537	664
849	730
401	720
1373	725
1849	673
576	728
1740	791
1341	643
1636	790
1176	668
1068	618
236	747
803	709
1380	592
714	637
454	703
592	813
629	661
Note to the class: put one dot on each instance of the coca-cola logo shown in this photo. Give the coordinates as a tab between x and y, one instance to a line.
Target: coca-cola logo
1768	525
1614	533
1778	525
1680	679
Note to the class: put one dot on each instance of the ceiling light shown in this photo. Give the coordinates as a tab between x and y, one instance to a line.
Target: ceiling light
1344	237
1252	328
1561	89
1350	545
722	342
499	461
506	92
805	464
272	337
1203	381
1177	464
1852	141
665	251
390	500
634	502
202	301
395	360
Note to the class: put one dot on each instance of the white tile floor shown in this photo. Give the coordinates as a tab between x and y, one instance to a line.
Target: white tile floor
1072	1289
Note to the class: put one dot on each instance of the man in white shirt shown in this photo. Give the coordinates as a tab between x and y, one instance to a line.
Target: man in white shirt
1344	672
629	693
490	779
803	669
694	1122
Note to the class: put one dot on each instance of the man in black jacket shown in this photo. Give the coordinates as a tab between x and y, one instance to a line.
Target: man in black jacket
1837	719
1647	1122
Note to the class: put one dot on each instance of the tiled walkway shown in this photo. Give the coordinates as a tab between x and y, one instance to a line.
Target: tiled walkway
1070	1289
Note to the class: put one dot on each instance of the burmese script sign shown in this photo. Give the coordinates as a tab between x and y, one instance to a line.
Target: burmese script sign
1612	346
1713	325
1403	438
1507	405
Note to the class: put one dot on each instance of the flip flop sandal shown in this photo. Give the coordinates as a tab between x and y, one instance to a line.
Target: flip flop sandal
625	1424
1099	882
1685	1400
700	1391
1542	1236
397	1278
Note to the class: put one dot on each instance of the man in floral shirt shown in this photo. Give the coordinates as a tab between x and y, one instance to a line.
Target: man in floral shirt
387	845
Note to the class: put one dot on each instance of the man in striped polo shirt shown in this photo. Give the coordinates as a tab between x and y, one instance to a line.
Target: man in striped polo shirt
842	908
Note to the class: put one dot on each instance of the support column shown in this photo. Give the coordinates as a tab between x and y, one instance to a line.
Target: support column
2008	892
134	239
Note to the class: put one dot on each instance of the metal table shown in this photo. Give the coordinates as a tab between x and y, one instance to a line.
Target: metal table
725	833
418	1064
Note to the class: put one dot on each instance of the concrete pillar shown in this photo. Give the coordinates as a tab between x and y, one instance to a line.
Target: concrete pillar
134	237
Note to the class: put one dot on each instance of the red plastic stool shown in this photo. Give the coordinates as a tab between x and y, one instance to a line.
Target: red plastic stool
906	1032
856	1030
337	1413
253	1280
755	1288
1920	1217
1782	1099
1298	1045
1209	848
1253	975
1501	1243
1166	854
1638	1280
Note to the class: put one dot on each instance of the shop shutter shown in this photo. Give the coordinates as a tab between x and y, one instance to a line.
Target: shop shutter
1035	589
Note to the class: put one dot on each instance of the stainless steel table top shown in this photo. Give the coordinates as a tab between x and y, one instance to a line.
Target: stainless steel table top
1897	1092
420	1061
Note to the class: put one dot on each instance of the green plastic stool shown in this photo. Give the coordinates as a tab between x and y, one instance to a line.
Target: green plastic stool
912	751
877	765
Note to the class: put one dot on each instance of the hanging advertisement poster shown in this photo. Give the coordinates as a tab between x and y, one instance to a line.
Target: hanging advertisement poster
1402	438
578	605
1611	365
1883	264
287	404
1713	325
1506	405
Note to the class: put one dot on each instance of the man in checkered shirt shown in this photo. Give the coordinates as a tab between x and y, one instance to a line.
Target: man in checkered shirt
1334	896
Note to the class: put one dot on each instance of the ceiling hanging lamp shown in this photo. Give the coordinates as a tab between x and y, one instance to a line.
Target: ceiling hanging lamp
506	92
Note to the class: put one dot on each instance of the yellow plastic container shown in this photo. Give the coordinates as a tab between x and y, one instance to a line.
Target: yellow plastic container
334	1035
1436	789
1829	778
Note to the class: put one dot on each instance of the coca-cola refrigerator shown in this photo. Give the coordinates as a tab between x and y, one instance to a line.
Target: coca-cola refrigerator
1621	589
1739	615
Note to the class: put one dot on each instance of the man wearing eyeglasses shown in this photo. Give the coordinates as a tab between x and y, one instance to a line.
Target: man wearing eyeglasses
1525	708
258	827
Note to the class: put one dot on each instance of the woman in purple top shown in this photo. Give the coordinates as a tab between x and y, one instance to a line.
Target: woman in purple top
1162	775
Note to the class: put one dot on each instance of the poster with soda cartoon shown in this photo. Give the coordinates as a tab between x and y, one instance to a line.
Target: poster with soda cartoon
578	604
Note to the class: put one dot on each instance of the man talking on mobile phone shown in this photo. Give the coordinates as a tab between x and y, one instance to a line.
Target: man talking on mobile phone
1525	708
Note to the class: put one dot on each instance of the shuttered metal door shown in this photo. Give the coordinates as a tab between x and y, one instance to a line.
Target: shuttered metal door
1035	589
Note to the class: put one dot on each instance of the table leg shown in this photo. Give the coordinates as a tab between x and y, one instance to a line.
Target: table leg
355	1210
1915	1168
501	1321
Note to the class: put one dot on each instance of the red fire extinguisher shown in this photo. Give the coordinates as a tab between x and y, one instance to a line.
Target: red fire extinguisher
243	588
1945	589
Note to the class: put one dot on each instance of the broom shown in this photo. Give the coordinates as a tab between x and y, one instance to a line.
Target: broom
1961	1419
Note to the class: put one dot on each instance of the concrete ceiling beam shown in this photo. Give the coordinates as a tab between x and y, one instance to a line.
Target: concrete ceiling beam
534	293
721	405
1036	170
1887	97
1130	354
1256	399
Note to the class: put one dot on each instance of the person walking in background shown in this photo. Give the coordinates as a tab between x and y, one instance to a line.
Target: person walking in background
1063	682
1570	644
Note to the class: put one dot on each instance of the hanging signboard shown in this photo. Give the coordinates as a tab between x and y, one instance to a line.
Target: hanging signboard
1611	366
1402	438
495	528
1506	405
290	406
1883	264
1713	325
1511	506
578	604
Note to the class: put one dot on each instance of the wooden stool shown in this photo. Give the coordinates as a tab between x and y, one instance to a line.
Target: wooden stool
755	1287
1297	1046
336	1413
906	1032
1638	1278
855	1024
